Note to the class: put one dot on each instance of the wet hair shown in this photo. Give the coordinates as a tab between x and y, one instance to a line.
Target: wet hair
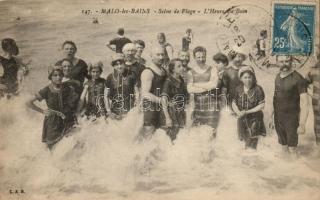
54	70
71	43
140	42
253	75
67	60
113	63
121	31
220	57
263	33
9	45
172	64
199	49
129	46
97	65
162	35
242	55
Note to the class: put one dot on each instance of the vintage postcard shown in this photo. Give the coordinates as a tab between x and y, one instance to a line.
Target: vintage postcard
146	99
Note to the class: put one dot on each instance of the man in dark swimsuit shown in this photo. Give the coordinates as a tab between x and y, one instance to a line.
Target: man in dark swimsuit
152	79
119	41
290	104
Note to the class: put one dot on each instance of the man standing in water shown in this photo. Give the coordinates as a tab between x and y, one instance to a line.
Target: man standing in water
132	64
202	83
187	39
290	104
140	45
168	50
184	56
119	41
152	79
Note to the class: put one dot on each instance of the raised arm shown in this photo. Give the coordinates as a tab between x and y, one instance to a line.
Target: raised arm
112	48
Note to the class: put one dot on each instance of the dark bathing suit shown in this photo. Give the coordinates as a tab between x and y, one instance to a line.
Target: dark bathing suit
286	103
152	110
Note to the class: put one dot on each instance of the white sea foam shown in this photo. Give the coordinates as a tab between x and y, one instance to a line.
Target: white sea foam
104	158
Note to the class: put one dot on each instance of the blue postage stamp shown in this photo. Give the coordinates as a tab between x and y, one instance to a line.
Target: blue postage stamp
293	29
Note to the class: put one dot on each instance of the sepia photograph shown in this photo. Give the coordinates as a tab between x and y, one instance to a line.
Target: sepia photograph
146	99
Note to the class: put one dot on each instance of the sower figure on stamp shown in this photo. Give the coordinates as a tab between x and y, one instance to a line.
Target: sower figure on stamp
59	110
290	103
152	80
313	78
121	90
202	85
290	26
173	100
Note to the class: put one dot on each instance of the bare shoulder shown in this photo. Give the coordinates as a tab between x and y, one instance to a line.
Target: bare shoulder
213	69
146	74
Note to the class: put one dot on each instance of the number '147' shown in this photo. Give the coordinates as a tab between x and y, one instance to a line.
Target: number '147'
279	42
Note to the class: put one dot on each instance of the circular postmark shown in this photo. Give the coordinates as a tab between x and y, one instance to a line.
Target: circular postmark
253	34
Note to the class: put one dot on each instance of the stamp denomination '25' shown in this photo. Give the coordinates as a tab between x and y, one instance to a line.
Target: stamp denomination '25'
293	29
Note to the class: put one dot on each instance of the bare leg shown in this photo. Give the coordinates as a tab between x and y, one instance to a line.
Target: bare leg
293	152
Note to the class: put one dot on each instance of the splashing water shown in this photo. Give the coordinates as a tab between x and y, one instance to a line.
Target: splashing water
103	158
